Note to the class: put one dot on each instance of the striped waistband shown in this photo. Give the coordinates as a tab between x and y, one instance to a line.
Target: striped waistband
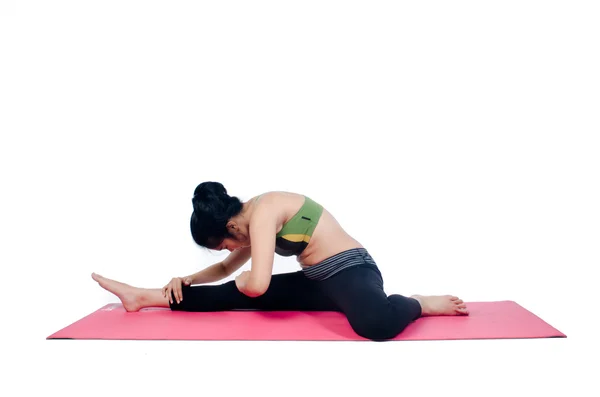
337	263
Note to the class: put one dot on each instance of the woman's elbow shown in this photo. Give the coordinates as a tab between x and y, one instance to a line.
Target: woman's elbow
254	290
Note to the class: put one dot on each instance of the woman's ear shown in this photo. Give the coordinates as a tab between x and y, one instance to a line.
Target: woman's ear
231	225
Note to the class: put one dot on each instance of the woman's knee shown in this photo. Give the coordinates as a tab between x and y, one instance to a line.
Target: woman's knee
378	326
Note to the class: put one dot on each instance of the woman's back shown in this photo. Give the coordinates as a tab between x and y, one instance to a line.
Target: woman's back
328	237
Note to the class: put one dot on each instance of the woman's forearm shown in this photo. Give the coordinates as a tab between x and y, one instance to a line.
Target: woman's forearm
211	274
223	269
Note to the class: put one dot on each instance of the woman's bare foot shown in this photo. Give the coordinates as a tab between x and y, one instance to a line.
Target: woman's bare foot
441	305
129	296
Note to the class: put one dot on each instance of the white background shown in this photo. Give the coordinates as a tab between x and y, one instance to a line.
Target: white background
458	141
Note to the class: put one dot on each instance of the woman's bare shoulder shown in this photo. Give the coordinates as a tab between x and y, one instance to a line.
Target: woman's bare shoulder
279	204
278	196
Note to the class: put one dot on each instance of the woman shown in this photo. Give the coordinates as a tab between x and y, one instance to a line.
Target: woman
338	274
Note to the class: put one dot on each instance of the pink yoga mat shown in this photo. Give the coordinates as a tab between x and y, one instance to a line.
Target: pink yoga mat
487	320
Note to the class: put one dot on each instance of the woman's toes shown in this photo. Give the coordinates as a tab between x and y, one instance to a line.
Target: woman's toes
458	301
462	306
453	298
462	310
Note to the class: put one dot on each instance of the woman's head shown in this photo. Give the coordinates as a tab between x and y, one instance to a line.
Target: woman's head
211	223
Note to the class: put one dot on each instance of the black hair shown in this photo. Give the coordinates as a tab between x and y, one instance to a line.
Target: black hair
213	208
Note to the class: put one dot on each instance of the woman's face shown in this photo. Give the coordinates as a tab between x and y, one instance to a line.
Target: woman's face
231	244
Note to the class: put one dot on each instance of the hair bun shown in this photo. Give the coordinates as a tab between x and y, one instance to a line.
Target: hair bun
208	190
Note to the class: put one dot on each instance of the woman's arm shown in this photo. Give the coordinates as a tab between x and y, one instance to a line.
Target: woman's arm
223	269
263	230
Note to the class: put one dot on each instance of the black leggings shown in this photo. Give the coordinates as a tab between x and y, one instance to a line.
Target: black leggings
356	291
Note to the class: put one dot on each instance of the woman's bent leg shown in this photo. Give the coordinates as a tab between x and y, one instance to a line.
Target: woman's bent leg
358	291
287	291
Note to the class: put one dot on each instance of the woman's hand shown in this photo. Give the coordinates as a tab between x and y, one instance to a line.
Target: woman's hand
175	286
242	280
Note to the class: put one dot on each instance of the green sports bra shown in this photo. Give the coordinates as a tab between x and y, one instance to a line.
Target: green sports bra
296	232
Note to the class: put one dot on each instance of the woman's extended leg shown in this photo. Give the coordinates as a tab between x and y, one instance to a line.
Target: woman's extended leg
287	291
